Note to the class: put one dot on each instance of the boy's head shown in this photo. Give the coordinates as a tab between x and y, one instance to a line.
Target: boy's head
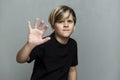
61	13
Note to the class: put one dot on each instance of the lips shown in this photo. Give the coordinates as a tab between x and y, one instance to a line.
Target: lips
66	29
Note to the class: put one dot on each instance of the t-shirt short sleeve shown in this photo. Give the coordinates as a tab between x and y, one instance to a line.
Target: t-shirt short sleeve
35	53
75	56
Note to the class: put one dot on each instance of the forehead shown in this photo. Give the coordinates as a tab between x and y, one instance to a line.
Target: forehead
67	16
70	17
64	15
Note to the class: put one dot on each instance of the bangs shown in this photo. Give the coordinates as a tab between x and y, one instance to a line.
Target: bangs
61	13
62	16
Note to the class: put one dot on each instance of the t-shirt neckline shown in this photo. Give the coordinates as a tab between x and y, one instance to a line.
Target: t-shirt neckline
58	43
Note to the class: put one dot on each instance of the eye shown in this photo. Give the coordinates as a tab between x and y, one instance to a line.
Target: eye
60	21
70	21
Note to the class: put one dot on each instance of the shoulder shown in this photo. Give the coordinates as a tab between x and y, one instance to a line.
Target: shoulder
73	41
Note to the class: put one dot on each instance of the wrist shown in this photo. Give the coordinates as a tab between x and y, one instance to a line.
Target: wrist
30	46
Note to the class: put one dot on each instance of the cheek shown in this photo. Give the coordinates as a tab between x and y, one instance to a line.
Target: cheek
73	27
57	26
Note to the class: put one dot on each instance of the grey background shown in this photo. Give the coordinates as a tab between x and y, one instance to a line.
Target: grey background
97	33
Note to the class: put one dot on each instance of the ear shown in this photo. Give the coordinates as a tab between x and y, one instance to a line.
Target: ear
53	28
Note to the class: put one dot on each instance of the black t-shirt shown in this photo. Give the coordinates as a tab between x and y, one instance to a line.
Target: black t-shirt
53	60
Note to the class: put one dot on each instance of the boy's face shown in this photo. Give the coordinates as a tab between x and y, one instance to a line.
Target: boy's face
64	28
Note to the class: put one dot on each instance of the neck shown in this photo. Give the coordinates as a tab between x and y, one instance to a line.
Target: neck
61	39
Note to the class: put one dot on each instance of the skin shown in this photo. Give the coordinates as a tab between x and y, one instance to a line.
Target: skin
35	37
63	30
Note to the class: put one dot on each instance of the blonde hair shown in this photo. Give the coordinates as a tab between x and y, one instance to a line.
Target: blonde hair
60	13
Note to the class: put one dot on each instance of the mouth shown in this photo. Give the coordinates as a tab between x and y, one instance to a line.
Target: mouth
66	29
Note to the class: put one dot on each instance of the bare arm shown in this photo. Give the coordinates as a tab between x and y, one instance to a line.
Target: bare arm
35	38
23	53
72	73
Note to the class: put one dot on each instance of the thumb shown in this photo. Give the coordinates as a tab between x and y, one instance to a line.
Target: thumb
46	39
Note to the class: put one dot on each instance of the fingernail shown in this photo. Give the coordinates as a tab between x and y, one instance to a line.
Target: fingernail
42	21
37	18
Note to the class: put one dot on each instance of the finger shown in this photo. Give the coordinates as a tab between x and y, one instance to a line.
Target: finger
36	22
45	28
41	24
46	39
29	26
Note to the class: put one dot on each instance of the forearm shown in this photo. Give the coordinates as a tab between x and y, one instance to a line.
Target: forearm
72	73
23	53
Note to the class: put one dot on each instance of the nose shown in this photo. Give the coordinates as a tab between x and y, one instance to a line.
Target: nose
65	24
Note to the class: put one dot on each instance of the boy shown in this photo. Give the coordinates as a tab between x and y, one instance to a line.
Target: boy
55	55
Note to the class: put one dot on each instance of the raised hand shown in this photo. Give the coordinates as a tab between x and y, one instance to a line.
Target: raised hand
36	34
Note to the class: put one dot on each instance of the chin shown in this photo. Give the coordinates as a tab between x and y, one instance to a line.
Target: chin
66	36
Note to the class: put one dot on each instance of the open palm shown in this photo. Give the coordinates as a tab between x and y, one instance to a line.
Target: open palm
36	34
